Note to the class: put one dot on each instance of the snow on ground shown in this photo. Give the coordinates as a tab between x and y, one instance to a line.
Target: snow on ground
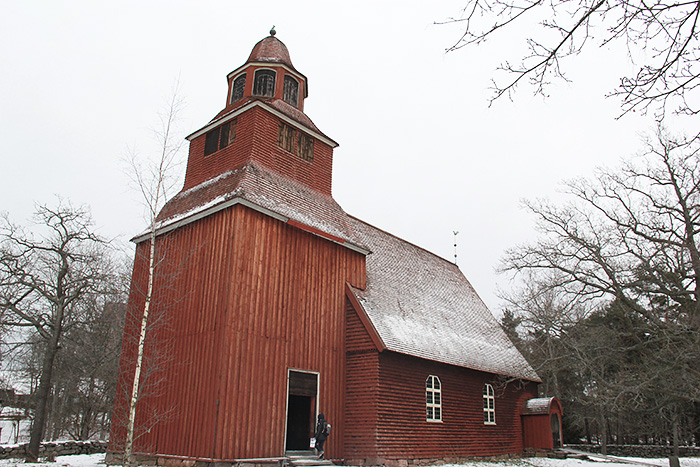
97	460
592	462
84	460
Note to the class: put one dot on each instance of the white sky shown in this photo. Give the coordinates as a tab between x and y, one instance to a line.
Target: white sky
421	154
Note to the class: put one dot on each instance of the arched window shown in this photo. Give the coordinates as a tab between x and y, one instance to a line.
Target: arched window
238	88
291	91
489	405
264	84
433	399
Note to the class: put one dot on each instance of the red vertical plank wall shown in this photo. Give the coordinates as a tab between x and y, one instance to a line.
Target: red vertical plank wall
537	433
404	433
247	297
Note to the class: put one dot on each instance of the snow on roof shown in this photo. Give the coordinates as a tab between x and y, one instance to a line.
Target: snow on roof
537	406
277	104
265	189
419	303
12	412
422	305
270	49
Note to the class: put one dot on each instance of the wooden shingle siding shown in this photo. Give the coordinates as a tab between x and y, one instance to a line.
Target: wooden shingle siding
257	133
404	433
358	339
247	297
362	381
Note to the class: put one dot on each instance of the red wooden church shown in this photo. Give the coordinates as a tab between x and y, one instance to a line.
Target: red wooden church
278	306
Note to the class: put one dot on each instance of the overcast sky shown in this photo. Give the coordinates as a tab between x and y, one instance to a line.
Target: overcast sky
421	153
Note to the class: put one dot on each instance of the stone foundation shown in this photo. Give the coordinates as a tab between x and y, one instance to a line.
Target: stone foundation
51	450
142	460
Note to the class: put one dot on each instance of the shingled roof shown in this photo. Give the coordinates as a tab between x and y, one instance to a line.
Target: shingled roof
419	304
539	406
271	50
422	305
266	191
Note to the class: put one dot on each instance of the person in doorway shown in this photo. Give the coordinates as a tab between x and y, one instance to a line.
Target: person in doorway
323	429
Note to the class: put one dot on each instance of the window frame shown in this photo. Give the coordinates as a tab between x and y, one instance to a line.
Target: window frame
291	89
305	146
218	138
242	87
489	399
286	137
433	409
256	83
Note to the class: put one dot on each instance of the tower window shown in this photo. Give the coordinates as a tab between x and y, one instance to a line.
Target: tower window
285	137
264	84
433	399
238	88
291	91
305	147
489	405
220	137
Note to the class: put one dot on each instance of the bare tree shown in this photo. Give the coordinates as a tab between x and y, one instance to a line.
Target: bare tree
44	283
661	36
86	372
626	246
154	180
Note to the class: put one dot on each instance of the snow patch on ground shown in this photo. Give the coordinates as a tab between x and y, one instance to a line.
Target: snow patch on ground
592	462
83	460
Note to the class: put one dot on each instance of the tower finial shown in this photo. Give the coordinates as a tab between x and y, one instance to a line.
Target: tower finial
272	31
455	234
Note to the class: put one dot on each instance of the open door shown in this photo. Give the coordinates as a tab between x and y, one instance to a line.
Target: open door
302	392
556	431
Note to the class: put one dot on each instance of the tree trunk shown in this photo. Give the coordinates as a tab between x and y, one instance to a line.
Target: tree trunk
588	430
42	397
603	434
88	413
676	416
129	444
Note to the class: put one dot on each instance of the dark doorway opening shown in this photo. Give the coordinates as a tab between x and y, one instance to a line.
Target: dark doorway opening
556	431
298	420
301	409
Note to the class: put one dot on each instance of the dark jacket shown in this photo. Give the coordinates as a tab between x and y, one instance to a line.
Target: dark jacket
320	433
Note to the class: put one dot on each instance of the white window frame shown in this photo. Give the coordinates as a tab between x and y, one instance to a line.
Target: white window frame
489	405
233	86
270	72
433	399
285	90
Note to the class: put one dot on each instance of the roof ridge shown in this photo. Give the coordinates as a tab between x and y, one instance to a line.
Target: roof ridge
408	242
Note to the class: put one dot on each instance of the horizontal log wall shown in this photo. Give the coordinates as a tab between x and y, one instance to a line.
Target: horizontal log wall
404	433
362	380
247	297
256	140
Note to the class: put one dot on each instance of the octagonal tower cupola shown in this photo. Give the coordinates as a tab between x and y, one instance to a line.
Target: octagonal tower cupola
263	126
268	74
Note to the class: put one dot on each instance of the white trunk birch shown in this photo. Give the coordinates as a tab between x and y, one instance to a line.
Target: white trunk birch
154	182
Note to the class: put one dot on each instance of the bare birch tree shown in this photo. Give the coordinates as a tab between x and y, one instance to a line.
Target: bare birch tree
154	180
44	282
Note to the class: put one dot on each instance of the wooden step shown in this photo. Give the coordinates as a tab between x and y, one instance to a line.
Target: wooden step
305	459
